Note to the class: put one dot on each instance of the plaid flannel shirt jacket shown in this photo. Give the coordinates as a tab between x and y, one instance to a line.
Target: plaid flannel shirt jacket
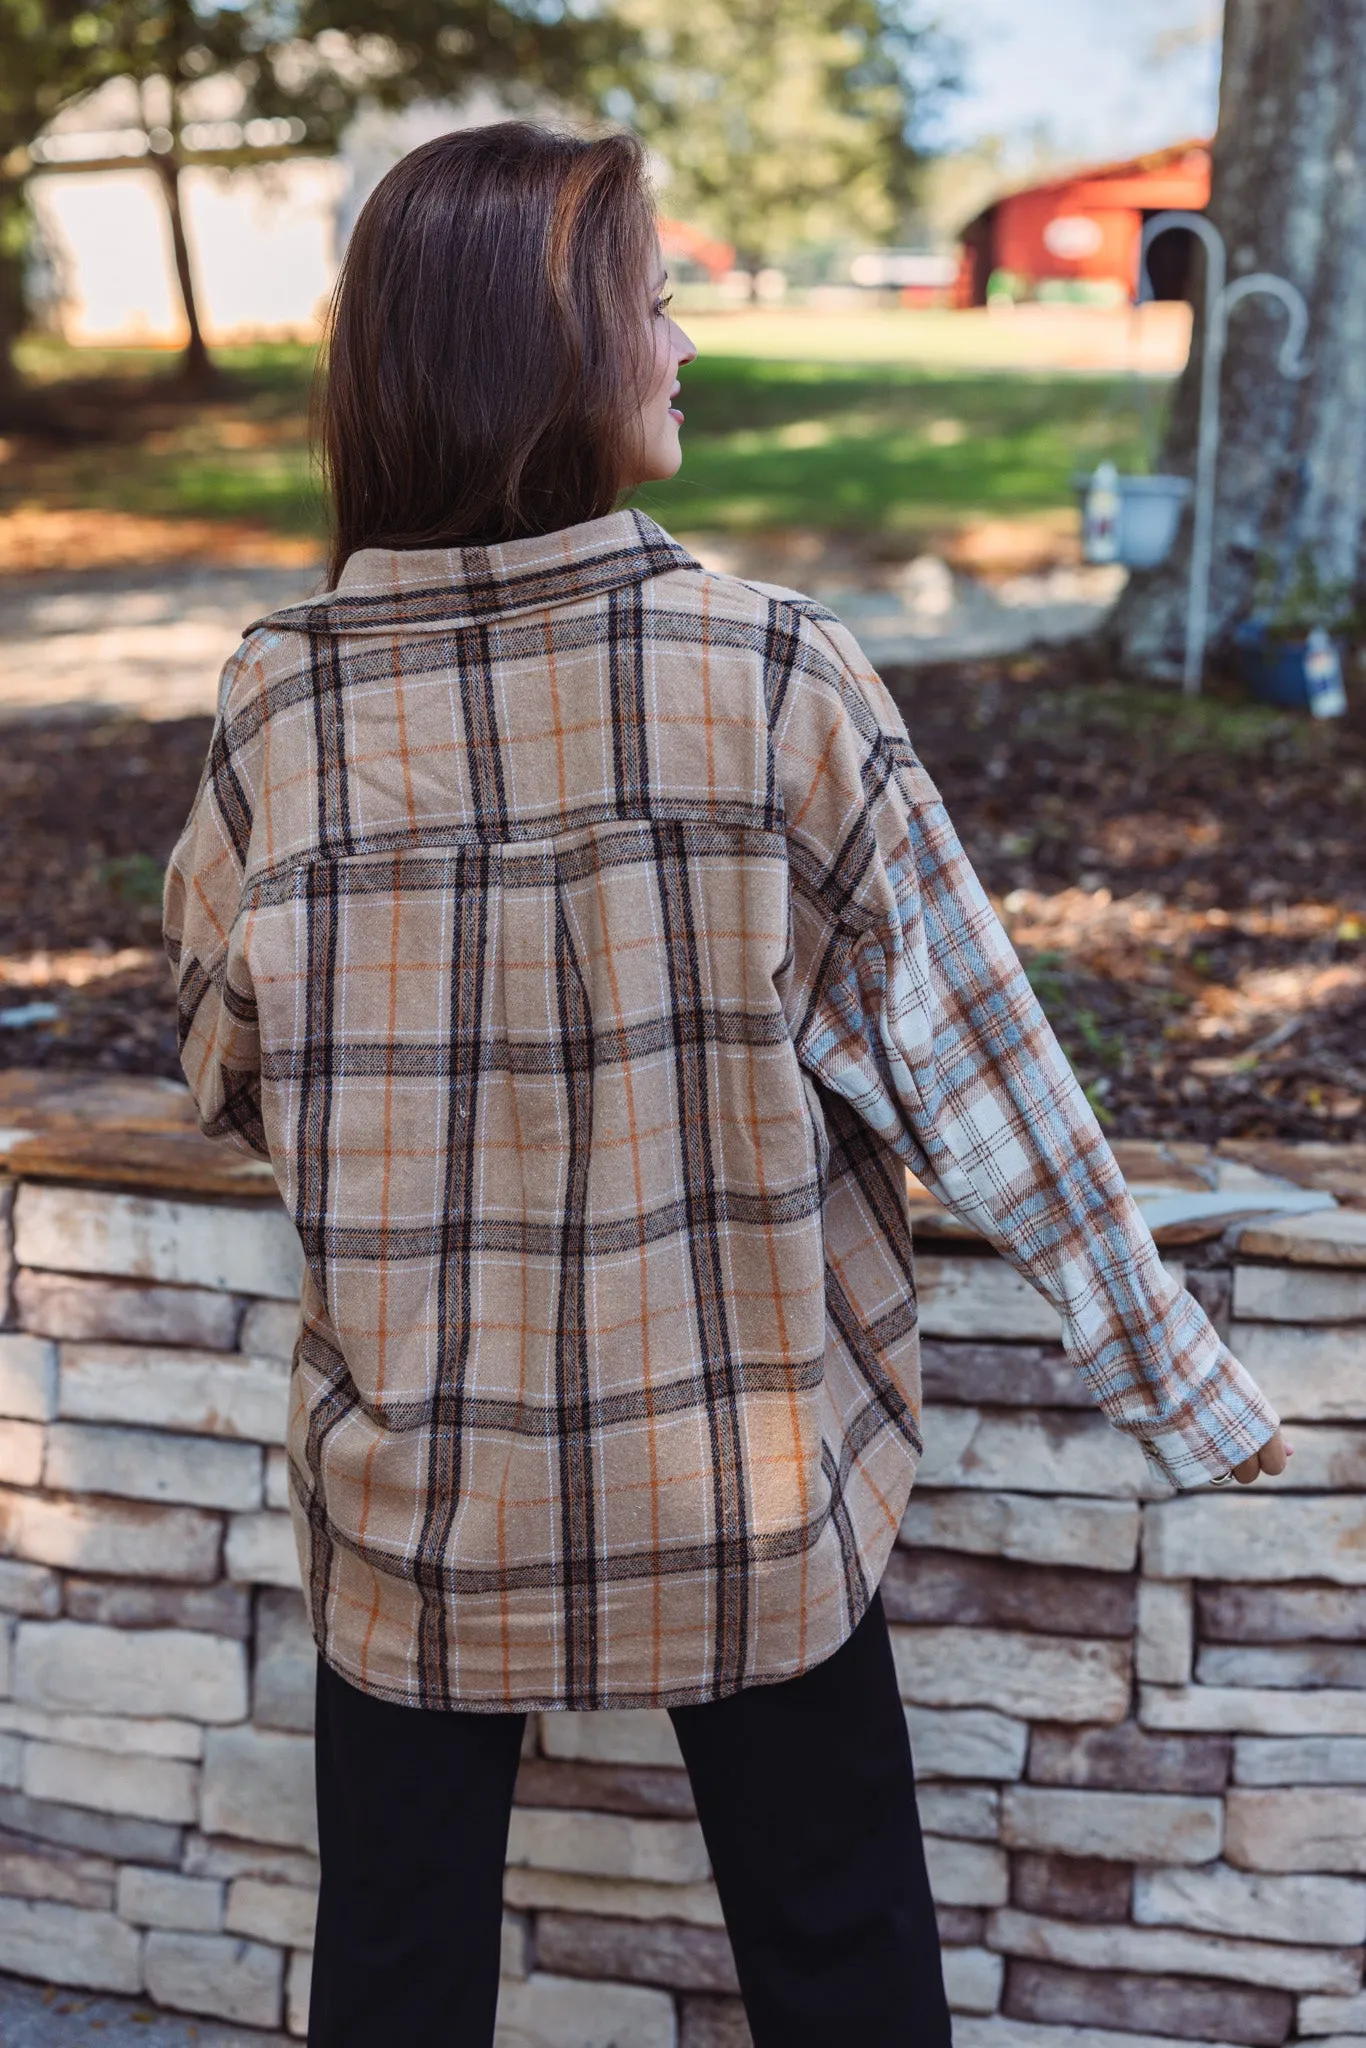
578	935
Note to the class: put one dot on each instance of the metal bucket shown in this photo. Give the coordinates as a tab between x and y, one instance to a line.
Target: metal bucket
1145	522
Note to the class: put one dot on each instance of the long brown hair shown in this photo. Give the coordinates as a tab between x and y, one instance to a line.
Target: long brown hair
484	356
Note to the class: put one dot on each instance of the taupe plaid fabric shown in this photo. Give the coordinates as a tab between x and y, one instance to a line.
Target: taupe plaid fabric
578	935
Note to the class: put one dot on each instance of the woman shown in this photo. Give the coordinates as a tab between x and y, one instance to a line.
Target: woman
579	937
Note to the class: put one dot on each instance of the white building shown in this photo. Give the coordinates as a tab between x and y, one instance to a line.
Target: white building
265	237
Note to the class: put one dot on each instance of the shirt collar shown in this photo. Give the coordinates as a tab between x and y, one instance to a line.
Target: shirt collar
381	589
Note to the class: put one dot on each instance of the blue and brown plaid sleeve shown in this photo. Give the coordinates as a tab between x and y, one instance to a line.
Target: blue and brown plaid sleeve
915	1010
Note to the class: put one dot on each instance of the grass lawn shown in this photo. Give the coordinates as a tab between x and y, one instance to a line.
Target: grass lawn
846	445
241	455
902	449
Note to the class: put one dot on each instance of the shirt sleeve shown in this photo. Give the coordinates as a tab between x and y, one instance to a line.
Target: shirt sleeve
203	929
910	1004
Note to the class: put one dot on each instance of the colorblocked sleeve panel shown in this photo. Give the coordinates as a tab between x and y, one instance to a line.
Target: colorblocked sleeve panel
910	1004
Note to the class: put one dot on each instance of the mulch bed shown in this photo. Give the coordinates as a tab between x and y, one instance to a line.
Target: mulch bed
1186	883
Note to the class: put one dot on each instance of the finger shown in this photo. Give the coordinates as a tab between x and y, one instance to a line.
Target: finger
1274	1455
1272	1459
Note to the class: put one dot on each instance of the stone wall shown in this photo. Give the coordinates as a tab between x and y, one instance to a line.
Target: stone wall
1139	1721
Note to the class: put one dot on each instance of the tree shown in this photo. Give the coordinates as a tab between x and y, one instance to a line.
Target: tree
313	61
44	61
782	122
1289	195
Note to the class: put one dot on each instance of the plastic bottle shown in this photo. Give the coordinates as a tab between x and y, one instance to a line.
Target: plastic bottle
1101	515
1323	684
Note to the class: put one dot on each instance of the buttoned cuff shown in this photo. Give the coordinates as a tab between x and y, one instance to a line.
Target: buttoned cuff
1213	1432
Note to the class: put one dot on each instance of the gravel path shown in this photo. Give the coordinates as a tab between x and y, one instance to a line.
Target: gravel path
34	2017
151	642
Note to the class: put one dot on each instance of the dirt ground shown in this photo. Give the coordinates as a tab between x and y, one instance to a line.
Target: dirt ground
1187	884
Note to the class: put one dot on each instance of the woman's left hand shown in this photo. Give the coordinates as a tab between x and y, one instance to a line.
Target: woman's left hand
1271	1459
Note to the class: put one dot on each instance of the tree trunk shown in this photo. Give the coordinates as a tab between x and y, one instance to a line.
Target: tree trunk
11	299
196	365
1289	196
21	406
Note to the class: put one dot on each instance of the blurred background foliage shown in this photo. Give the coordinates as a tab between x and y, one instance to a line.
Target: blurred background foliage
782	124
1184	880
776	121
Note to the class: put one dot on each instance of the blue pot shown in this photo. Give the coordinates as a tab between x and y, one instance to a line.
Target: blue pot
1299	675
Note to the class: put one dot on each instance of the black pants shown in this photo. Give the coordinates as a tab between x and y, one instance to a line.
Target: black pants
807	1800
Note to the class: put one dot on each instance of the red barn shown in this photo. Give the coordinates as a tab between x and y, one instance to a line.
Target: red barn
1087	225
678	239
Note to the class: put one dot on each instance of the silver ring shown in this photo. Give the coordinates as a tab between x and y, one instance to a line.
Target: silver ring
1225	1479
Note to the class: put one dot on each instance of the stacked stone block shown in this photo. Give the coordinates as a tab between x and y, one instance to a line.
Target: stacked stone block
1139	1721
